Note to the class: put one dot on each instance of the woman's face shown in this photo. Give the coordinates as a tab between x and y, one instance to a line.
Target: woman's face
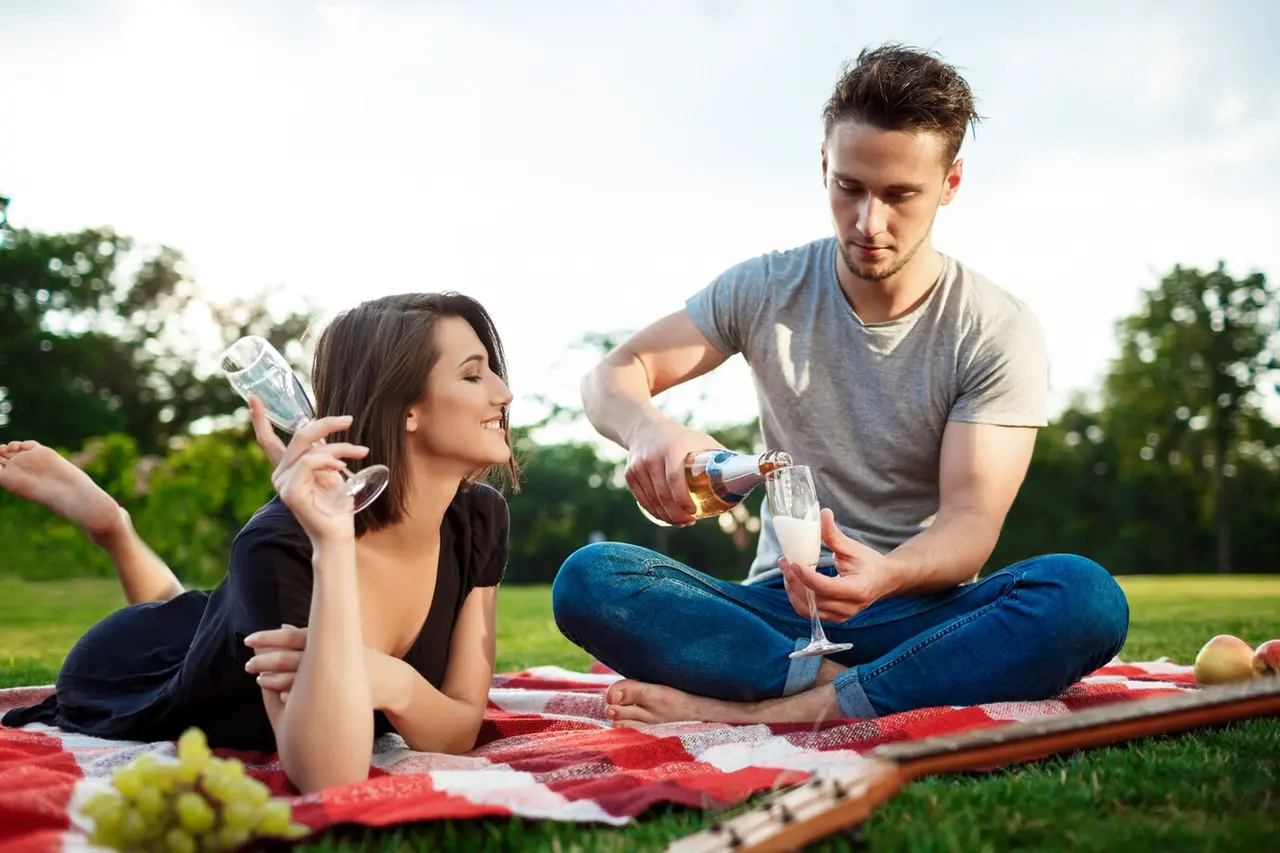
459	417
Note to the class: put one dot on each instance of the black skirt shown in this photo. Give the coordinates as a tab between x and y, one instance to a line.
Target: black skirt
122	680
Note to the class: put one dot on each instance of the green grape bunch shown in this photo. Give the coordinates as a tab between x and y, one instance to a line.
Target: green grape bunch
197	804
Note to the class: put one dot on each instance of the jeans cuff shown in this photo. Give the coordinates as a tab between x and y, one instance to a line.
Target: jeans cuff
802	672
853	701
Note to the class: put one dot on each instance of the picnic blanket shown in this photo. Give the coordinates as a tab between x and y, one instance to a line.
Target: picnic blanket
545	752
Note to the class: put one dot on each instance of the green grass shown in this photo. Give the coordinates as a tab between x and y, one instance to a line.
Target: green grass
1207	790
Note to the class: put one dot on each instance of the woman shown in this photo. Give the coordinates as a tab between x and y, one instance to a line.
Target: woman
330	627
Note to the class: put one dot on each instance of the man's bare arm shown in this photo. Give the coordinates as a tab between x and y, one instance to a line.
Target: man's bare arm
617	397
981	469
618	394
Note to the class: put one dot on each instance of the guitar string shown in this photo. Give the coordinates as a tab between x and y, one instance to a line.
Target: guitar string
778	809
783	786
1154	706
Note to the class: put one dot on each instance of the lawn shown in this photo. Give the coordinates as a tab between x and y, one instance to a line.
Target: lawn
1216	790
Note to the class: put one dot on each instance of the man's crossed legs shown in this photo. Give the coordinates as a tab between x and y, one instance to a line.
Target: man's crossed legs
692	647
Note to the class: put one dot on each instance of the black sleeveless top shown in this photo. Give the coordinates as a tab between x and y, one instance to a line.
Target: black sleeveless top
149	671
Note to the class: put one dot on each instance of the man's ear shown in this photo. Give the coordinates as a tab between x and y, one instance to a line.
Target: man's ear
824	165
951	183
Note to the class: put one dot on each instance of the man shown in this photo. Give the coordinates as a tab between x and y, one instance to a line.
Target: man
914	387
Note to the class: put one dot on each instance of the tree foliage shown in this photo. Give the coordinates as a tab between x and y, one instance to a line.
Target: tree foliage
1196	363
98	337
1175	471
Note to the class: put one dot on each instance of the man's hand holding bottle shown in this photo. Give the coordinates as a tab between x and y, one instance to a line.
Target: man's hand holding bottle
656	468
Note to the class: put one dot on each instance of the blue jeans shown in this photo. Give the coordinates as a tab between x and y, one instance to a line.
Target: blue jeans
1023	633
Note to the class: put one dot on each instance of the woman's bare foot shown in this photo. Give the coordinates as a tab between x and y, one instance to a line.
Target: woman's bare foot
37	473
635	704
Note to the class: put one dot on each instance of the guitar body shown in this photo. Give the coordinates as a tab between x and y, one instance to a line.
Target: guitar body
838	798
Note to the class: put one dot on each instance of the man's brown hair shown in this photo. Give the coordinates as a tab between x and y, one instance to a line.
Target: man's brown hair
899	88
372	361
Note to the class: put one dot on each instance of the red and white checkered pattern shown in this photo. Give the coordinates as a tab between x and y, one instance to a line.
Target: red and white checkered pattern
545	752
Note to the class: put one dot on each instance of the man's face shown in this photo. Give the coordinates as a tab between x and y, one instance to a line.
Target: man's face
885	188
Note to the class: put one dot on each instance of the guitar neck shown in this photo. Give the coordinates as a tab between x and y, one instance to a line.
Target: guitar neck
1118	721
840	797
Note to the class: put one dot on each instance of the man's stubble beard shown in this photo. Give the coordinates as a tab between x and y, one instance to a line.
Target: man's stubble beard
874	274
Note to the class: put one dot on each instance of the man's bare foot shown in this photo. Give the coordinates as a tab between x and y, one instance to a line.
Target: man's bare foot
635	704
37	473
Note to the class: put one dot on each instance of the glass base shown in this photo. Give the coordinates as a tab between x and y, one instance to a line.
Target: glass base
366	484
820	648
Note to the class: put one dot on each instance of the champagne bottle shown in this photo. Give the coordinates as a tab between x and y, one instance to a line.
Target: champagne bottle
718	480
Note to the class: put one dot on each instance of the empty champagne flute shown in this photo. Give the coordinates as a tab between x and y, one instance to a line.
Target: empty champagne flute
256	369
797	522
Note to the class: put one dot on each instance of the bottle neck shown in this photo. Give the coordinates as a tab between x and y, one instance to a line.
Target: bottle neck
772	460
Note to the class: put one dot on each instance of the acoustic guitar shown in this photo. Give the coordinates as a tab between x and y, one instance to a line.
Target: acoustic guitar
837	798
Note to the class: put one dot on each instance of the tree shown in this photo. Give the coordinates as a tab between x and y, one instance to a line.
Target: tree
572	493
98	337
4	218
1188	386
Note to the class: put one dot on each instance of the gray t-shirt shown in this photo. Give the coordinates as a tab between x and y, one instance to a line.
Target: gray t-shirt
865	404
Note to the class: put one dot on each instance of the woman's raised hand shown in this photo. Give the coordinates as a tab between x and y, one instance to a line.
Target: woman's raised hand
307	479
262	431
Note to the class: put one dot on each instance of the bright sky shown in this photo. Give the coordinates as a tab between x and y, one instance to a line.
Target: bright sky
586	166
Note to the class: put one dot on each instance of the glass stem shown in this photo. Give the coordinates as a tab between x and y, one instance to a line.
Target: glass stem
348	489
816	633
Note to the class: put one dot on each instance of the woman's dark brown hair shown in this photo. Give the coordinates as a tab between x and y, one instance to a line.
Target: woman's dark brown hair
372	361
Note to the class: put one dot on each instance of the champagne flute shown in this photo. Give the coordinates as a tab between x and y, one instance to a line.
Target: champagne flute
256	369
797	522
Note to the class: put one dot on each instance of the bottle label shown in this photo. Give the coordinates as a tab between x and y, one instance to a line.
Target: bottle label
732	475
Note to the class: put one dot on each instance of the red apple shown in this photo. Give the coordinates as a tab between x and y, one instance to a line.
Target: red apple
1224	659
1266	659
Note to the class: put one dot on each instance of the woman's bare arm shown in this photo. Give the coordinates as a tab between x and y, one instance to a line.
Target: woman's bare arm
324	734
445	720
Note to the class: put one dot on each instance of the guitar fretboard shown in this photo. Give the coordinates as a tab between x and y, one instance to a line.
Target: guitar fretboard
1120	711
841	796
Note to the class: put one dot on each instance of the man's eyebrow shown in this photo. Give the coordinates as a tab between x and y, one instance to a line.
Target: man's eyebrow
911	188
